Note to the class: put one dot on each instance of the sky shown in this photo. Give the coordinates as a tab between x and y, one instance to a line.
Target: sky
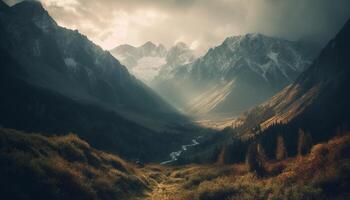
199	23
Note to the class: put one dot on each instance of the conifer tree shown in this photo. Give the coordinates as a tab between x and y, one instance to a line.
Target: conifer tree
222	156
256	158
281	151
304	143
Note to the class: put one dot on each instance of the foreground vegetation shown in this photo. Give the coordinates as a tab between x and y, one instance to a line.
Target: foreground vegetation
33	166
324	173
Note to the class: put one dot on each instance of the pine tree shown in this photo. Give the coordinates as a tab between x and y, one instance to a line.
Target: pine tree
262	153
222	156
304	143
281	151
215	155
256	158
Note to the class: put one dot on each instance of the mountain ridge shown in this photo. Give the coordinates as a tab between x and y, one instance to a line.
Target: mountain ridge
255	63
318	93
56	81
93	66
149	60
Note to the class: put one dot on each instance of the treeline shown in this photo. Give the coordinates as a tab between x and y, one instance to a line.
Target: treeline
277	147
256	156
276	143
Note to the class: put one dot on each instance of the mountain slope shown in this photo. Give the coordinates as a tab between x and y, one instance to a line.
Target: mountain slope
252	68
57	81
67	62
316	104
36	109
317	101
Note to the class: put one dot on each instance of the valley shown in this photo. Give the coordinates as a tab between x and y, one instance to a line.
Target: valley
254	117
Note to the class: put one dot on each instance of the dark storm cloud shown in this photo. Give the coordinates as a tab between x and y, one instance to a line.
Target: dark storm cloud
200	23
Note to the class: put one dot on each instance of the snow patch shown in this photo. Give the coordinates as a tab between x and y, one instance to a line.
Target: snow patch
265	67
71	64
148	67
274	57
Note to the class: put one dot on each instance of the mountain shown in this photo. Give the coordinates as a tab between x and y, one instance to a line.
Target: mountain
56	80
178	55
130	55
3	6
317	102
240	73
148	61
67	62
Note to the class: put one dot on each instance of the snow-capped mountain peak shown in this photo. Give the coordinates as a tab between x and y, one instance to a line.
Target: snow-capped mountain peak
149	60
262	54
258	65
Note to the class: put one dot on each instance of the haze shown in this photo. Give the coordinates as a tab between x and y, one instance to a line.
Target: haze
199	23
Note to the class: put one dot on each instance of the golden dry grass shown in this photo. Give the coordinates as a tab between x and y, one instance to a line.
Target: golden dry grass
323	174
68	168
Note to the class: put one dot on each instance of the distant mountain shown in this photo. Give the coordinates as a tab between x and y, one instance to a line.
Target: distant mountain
240	73
56	80
148	61
130	55
318	101
178	55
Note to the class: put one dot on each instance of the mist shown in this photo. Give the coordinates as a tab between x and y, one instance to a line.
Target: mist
199	23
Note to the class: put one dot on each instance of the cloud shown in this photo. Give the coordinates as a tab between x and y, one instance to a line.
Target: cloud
200	23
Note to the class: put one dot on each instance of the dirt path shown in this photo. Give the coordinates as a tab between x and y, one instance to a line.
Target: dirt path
166	188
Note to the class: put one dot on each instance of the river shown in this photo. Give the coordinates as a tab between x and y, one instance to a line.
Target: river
176	154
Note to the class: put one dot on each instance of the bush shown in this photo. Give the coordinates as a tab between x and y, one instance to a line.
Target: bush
216	190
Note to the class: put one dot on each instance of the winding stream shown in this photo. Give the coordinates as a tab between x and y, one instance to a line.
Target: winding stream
176	154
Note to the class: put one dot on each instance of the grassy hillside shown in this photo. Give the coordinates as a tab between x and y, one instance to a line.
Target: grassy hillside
33	166
322	174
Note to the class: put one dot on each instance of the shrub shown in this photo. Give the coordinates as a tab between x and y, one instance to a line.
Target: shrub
218	189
